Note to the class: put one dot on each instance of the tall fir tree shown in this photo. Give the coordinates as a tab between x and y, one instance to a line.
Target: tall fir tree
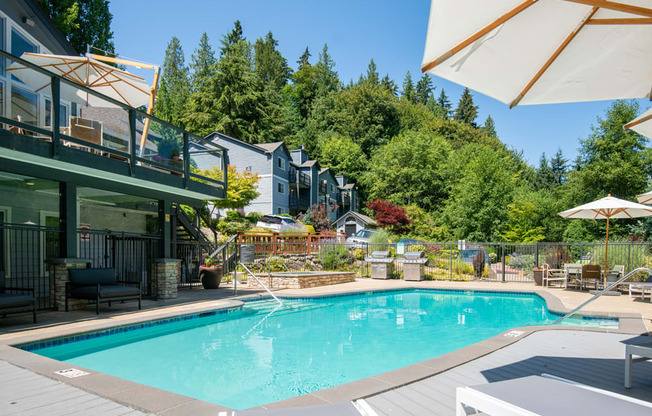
423	89
233	37
389	85
272	69
466	111
445	104
175	86
304	59
489	127
372	76
559	166
202	64
326	77
408	88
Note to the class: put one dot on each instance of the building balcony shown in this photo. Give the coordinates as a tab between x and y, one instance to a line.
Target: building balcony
301	179
97	139
299	202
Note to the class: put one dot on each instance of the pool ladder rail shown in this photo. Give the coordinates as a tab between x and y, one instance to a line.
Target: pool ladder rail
597	295
250	273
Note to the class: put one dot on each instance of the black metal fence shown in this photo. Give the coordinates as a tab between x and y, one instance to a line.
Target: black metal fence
453	261
27	253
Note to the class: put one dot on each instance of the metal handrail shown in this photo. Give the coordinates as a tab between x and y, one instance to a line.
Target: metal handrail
597	295
260	283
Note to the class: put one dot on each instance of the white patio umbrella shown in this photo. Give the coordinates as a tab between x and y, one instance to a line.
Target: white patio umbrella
83	70
642	125
543	51
607	208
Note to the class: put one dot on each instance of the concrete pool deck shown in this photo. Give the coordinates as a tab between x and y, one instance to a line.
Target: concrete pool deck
635	316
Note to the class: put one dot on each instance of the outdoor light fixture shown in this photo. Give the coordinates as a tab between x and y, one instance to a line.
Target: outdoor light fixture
29	183
28	21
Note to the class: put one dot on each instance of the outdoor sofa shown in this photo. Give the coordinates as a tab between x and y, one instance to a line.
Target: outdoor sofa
15	303
100	285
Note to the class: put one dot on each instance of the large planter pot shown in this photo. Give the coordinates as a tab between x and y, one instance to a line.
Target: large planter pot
538	277
210	277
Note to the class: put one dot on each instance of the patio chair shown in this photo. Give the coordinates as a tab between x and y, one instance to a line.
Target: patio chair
574	274
11	303
554	275
591	272
642	286
615	273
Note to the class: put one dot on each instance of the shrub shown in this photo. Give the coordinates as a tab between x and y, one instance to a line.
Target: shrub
390	216
286	215
462	268
293	229
275	264
380	236
520	261
479	263
311	229
417	247
359	253
335	257
233	216
232	227
259	230
253	217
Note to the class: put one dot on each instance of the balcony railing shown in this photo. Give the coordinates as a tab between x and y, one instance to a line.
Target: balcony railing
299	201
303	179
96	124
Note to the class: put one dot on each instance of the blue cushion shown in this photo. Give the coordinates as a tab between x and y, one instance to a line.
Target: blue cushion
106	292
12	301
92	276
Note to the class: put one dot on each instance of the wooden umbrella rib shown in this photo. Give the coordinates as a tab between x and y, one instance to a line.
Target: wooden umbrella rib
103	75
619	7
552	58
637	122
491	26
626	21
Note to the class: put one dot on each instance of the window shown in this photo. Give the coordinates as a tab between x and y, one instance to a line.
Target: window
281	163
2	45
280	188
19	45
63	114
279	211
24	106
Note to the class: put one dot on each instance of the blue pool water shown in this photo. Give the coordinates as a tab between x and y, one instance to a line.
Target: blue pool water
263	353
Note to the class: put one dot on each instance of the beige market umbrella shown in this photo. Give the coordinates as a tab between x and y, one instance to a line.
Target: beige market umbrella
92	71
543	51
642	125
607	208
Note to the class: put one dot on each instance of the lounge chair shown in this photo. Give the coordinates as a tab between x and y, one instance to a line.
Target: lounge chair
553	275
643	351
615	273
12	303
591	272
535	395
574	274
642	286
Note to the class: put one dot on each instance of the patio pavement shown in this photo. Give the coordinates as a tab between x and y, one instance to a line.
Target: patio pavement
17	329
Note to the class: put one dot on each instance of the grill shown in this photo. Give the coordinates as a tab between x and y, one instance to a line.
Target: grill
382	265
413	265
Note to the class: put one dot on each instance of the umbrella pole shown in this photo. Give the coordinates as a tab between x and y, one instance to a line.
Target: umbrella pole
606	253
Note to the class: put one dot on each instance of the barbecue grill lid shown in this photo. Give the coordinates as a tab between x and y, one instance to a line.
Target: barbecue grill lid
380	254
412	255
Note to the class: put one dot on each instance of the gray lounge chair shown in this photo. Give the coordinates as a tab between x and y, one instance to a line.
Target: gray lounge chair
14	303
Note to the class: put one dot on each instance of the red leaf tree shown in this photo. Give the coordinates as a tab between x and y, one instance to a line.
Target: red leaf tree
390	216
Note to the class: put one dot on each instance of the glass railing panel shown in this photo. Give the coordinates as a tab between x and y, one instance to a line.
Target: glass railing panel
163	144
205	153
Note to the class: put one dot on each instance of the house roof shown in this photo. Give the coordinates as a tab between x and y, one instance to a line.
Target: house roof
308	163
348	186
270	147
367	220
260	147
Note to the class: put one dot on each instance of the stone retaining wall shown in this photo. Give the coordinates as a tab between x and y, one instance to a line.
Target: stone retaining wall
289	281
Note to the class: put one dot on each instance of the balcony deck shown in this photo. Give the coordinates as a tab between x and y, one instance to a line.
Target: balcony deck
99	142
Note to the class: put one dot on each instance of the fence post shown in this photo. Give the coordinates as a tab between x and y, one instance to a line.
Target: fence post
629	254
450	264
504	265
536	254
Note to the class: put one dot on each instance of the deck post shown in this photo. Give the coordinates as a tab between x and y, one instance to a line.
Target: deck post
56	115
68	220
164	228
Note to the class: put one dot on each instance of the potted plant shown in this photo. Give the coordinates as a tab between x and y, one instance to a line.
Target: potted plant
210	274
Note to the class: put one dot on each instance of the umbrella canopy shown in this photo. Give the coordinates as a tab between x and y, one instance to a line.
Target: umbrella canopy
105	79
642	124
607	208
543	51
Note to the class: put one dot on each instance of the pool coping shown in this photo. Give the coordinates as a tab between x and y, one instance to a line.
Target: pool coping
153	400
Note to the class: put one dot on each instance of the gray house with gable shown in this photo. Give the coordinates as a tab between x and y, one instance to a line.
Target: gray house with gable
290	183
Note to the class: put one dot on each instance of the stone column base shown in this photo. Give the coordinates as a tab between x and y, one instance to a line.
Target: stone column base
59	278
165	276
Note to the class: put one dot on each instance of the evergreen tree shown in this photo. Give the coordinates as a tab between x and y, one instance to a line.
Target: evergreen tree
559	166
424	89
389	85
83	23
466	111
489	127
372	74
202	64
304	59
445	104
233	37
545	177
326	77
175	87
272	69
408	88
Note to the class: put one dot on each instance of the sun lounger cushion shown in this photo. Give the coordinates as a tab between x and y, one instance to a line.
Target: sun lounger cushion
106	292
15	301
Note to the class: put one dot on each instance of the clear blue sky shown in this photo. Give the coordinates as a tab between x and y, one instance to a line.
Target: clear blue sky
391	32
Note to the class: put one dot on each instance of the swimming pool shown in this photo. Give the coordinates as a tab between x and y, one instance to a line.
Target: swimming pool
261	353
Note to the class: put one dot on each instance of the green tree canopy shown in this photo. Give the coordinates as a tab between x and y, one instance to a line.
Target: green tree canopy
466	111
175	86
